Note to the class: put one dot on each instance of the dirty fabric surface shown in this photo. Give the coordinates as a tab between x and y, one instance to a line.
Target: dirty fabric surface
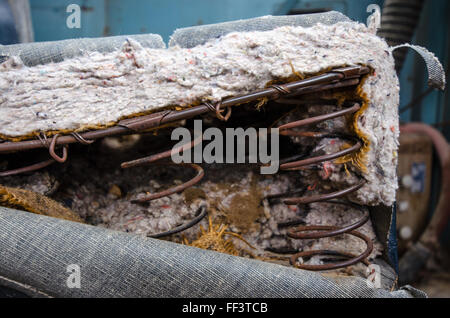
115	264
52	52
197	35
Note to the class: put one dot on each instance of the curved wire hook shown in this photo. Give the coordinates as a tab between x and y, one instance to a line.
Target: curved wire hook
52	152
217	109
81	139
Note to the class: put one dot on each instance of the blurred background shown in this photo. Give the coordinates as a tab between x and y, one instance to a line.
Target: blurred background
423	197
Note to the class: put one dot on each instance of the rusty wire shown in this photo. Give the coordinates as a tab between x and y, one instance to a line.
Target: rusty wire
51	150
30	168
179	188
322	231
163	155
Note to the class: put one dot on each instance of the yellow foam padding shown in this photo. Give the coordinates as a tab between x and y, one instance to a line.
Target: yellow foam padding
36	203
358	159
213	239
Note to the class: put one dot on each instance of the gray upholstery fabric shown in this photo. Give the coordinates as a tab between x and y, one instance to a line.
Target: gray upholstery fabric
436	74
36	250
47	52
192	36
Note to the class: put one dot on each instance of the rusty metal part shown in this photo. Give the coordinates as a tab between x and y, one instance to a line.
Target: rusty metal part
309	161
322	231
161	155
42	164
275	91
81	139
44	140
323	197
218	111
319	119
320	88
199	215
51	150
286	166
337	78
318	231
325	267
300	232
281	89
176	189
290	223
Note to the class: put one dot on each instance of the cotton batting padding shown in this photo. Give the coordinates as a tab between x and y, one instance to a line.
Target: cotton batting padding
99	89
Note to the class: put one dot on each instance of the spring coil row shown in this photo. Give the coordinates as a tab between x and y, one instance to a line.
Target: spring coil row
322	231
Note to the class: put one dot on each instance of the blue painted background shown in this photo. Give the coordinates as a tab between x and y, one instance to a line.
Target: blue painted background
116	17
